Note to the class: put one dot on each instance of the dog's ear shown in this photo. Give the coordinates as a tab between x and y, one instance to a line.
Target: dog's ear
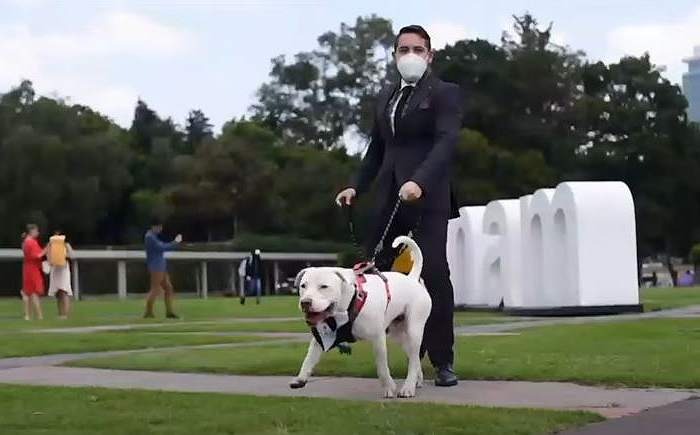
342	278
345	283
297	280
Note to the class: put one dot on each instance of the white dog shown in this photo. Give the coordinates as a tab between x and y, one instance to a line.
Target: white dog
400	309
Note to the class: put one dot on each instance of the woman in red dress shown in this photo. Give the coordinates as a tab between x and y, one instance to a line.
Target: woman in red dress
32	279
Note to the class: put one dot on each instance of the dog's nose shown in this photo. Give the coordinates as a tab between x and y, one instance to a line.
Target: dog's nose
305	304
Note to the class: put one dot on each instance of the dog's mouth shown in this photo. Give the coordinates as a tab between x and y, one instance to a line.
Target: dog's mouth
314	317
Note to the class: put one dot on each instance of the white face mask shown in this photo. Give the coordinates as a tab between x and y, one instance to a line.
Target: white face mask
411	67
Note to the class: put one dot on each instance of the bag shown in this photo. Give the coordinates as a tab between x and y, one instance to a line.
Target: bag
403	263
57	251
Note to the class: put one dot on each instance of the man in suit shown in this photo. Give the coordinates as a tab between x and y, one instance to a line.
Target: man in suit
415	128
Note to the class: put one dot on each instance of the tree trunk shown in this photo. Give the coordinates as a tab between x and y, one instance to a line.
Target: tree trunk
672	271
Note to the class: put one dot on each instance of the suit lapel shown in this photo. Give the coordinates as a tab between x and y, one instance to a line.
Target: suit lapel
383	112
425	87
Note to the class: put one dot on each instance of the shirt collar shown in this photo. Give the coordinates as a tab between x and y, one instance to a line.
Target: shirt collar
405	83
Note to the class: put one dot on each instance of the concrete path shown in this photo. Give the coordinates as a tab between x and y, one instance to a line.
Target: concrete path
549	395
126	327
681	418
62	358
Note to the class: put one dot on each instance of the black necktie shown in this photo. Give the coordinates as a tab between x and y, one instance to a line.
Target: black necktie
405	95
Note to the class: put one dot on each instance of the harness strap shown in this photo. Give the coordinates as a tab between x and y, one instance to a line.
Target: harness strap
360	279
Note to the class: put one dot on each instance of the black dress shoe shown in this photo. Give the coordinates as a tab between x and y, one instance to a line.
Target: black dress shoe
445	376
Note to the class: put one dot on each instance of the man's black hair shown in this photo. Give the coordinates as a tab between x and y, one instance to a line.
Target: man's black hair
156	221
418	30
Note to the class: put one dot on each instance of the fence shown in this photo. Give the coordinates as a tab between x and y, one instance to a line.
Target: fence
203	258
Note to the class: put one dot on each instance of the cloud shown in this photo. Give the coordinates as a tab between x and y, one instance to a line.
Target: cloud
444	32
667	43
71	63
24	3
117	33
117	102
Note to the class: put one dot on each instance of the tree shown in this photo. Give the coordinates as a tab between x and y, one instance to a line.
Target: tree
198	130
637	132
330	91
226	178
60	166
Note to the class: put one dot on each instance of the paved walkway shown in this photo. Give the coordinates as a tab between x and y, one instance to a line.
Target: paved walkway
680	418
550	395
125	327
62	358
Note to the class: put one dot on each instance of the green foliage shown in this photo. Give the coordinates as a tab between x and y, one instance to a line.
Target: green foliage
694	255
329	91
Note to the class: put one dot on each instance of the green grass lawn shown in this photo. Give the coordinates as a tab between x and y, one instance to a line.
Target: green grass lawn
666	298
87	411
653	352
110	311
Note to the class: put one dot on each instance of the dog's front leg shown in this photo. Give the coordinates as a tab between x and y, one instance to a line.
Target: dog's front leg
307	367
380	359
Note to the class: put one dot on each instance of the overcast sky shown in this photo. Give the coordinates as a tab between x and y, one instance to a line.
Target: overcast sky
180	55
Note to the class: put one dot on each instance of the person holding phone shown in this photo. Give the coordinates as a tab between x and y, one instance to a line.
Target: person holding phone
157	269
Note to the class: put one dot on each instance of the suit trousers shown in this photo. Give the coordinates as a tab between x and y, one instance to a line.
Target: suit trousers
430	233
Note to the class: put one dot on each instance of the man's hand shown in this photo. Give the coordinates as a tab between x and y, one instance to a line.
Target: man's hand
178	238
346	197
410	191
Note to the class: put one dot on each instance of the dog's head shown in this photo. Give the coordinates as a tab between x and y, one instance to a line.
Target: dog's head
322	291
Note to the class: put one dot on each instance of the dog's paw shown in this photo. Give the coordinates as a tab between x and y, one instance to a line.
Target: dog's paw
389	390
297	383
407	391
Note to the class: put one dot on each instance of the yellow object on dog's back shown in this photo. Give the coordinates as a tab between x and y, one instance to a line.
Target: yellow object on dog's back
403	263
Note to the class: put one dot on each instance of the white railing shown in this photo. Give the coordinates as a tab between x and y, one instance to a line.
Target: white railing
122	256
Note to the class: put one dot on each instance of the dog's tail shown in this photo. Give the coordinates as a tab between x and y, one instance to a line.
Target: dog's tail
416	255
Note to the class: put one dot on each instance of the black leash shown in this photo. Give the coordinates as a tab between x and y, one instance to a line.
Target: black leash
380	244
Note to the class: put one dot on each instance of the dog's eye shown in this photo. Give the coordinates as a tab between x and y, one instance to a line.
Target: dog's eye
303	286
323	287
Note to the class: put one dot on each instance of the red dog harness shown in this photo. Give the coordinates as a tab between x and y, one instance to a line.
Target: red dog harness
360	292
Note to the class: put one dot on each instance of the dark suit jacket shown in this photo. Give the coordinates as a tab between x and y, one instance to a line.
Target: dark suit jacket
420	151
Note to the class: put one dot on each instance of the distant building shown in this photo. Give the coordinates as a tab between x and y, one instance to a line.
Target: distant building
691	85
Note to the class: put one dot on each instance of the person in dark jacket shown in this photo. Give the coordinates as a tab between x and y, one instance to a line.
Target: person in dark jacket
254	273
416	125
